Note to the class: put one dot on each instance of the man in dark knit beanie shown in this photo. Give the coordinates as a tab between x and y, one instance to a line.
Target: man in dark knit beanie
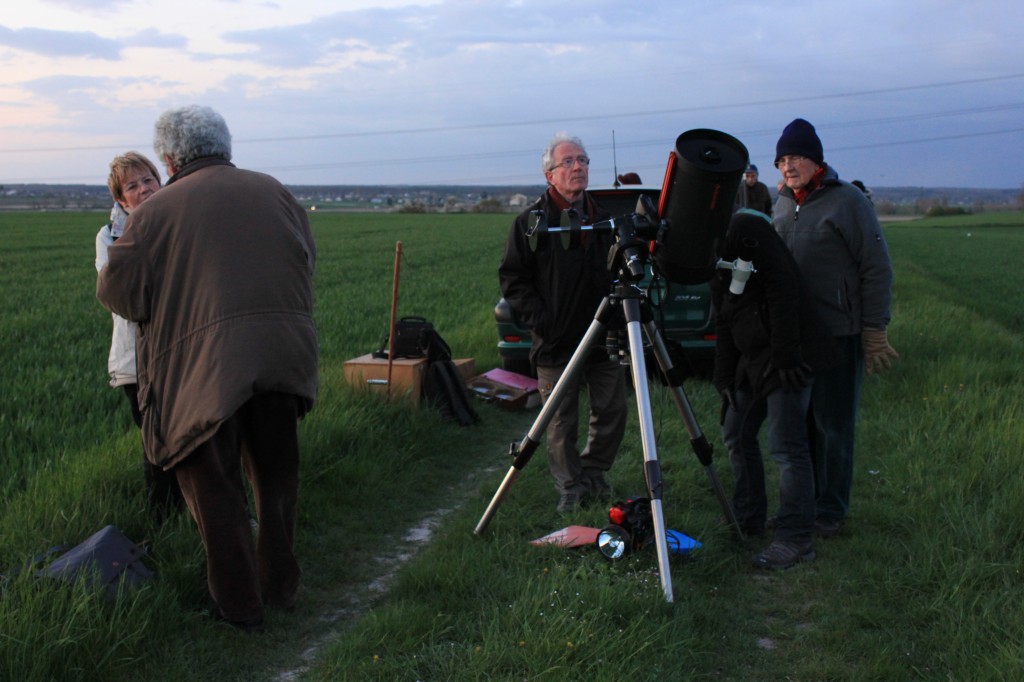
800	138
841	252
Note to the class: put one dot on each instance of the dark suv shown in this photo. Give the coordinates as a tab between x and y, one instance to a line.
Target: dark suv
683	313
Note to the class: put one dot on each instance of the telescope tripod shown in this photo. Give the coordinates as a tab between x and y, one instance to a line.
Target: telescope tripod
636	311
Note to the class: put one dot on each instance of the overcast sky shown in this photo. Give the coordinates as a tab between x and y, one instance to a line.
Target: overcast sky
902	92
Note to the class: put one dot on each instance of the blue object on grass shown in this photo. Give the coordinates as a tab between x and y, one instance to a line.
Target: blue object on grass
680	544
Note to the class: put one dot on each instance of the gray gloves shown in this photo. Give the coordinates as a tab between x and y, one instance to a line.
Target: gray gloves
878	354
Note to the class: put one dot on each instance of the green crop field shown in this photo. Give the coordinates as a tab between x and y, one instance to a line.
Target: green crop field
926	584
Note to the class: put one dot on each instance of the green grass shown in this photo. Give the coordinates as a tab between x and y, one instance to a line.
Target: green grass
925	585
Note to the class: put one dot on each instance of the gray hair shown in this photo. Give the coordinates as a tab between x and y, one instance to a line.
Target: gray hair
547	161
189	133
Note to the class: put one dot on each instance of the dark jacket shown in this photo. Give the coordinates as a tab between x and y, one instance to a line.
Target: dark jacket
555	291
756	197
838	244
772	325
217	270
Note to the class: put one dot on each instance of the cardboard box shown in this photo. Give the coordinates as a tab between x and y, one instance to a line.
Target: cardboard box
407	374
508	390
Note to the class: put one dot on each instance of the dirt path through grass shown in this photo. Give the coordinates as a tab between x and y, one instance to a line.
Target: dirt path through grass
344	610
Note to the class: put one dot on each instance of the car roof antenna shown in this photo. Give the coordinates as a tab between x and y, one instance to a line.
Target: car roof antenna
615	162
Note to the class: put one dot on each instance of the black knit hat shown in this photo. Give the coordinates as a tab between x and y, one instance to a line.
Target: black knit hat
799	138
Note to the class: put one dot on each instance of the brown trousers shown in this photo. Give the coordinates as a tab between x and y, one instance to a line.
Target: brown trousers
262	438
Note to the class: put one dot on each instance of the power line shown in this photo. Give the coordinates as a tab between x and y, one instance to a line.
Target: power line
548	121
604	146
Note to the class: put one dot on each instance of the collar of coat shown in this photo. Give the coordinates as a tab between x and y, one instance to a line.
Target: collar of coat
199	164
560	203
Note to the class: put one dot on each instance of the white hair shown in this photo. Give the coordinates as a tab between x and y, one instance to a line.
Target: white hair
547	161
190	133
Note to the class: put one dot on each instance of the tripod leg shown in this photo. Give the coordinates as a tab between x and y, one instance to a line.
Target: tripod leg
701	446
522	452
652	470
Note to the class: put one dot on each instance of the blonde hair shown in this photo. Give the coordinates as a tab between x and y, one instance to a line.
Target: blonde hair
119	168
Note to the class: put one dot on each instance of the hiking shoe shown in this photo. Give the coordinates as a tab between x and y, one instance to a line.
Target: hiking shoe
599	490
780	555
568	502
249	627
828	528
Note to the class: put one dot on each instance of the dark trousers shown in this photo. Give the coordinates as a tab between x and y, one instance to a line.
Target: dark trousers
833	423
786	417
261	439
162	491
606	385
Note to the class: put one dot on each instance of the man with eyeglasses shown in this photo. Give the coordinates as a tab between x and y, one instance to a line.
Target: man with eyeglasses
555	292
837	241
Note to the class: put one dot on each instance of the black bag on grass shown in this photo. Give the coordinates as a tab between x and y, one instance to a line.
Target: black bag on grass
444	389
105	559
443	386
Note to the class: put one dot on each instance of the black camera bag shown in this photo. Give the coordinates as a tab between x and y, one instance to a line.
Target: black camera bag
412	338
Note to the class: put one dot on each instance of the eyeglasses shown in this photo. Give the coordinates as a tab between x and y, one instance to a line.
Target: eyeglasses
792	159
569	161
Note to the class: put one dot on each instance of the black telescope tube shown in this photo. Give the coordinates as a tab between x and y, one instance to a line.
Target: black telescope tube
696	203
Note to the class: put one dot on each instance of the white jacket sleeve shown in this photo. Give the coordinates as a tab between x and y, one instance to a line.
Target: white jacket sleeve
103	240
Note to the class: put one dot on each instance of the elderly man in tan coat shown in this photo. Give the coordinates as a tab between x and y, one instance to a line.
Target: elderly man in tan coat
217	270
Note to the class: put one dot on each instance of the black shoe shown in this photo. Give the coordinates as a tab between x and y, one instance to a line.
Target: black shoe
828	528
249	627
568	502
780	555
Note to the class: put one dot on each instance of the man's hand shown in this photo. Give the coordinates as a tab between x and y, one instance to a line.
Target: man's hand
796	378
728	402
878	354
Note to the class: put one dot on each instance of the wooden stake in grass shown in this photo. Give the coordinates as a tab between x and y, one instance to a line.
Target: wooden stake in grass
394	307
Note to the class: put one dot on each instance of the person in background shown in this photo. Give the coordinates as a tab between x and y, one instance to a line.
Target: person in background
217	268
832	230
753	193
769	344
133	178
860	185
556	292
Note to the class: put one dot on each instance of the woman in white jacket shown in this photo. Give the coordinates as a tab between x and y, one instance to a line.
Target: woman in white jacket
133	179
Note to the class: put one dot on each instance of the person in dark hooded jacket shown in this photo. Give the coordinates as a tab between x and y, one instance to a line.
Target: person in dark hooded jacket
769	343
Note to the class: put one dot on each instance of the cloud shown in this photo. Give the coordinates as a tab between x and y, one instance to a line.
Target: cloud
152	38
441	30
60	43
451	90
93	6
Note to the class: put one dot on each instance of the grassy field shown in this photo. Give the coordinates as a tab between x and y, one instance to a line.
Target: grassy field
925	585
